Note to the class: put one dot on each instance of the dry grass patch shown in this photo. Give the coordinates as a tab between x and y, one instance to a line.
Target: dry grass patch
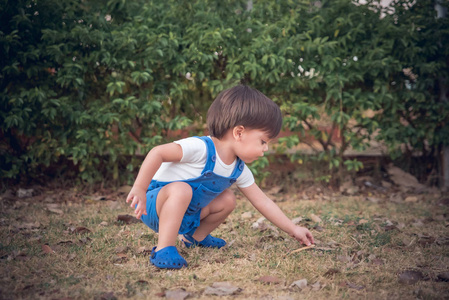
68	245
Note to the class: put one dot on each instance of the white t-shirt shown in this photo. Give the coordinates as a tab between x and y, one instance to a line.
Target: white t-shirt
194	155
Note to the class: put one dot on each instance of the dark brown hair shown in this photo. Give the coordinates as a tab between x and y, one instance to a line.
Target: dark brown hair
242	105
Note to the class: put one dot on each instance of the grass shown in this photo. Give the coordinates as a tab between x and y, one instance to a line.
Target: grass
69	245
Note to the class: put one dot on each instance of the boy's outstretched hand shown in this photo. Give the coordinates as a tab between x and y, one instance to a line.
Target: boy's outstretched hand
139	198
303	235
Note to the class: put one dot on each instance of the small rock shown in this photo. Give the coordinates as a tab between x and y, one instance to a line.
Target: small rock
302	283
221	289
178	294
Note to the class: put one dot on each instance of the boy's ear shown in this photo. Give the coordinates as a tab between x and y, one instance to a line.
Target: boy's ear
237	132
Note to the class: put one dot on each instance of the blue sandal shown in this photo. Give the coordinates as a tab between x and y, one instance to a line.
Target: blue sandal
167	258
208	242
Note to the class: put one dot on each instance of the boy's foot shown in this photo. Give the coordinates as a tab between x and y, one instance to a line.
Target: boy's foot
167	258
208	242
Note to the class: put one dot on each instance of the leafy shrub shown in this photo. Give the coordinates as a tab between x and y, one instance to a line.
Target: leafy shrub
94	82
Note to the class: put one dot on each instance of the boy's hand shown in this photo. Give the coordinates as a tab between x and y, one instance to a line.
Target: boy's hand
138	197
303	235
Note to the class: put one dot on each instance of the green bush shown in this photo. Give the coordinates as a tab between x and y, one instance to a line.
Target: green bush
95	82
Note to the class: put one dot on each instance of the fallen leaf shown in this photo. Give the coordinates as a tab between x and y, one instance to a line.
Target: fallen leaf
443	276
418	223
65	242
24	193
344	258
221	289
125	189
84	240
19	255
444	201
331	272
401	178
354	286
410	277
267	279
121	249
30	226
128	219
178	294
70	257
315	218
390	227
297	220
55	210
108	296
262	226
47	249
426	240
144	250
411	199
79	230
302	283
247	215
373	199
316	286
275	190
377	261
318	228
120	258
104	223
259	224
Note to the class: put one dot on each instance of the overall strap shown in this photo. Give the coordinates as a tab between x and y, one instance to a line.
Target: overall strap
238	168
211	156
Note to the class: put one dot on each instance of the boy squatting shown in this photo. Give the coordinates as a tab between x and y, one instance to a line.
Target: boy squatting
183	187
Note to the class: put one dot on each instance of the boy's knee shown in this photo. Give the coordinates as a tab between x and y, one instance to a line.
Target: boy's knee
229	199
179	190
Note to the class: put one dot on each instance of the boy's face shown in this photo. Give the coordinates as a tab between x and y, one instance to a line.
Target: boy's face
251	144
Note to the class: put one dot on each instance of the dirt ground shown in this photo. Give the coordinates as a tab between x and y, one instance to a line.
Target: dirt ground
375	239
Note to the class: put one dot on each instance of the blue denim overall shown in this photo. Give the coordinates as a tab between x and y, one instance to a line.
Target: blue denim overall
205	188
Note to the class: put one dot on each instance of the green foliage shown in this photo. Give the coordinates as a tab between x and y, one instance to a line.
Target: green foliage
415	113
95	81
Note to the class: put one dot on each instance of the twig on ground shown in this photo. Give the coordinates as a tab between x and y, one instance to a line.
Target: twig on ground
300	249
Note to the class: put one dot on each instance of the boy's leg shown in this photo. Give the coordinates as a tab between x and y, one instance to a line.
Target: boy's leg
171	205
215	213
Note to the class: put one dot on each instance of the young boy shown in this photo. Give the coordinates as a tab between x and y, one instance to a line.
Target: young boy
182	187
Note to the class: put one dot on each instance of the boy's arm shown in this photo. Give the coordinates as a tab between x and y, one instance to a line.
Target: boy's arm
274	214
170	152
